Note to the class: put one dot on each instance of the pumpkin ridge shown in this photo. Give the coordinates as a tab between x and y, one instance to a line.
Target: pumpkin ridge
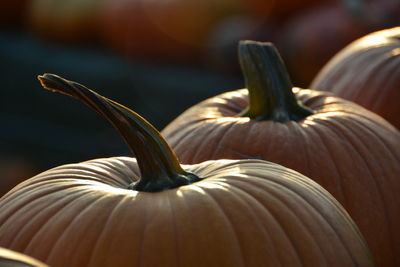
174	227
185	132
66	229
101	234
394	74
314	209
380	139
218	144
251	201
27	200
193	155
114	172
364	144
38	216
300	129
43	214
372	176
230	224
142	238
14	243
369	70
318	191
323	138
89	168
284	206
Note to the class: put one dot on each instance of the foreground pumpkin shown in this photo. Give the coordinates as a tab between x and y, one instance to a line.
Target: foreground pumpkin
351	152
155	212
9	258
367	72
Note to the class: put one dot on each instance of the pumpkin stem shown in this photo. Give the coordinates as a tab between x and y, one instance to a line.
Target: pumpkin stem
159	166
269	85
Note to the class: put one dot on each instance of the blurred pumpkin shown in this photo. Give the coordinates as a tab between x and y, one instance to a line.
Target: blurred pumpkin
309	39
162	30
73	21
367	72
152	211
9	258
351	152
280	9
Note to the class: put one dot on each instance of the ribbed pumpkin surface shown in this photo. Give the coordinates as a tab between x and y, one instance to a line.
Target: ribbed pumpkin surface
367	72
244	213
351	152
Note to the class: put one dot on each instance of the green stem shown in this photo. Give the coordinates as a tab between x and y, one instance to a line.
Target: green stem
269	85
159	166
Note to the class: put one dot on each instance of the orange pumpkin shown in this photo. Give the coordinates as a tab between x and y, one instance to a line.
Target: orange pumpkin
72	21
351	152
9	258
173	31
281	9
310	38
367	72
152	211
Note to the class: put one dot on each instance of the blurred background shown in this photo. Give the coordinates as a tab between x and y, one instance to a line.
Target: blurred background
157	57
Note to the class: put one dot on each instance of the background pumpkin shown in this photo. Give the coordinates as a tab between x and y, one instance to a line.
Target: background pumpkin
367	72
162	30
351	152
267	8
310	38
73	21
243	213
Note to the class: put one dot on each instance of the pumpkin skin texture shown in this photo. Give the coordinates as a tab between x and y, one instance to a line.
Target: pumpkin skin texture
240	213
9	258
351	152
367	72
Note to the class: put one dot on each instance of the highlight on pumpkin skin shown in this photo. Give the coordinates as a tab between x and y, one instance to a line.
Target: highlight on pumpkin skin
269	85
159	166
11	258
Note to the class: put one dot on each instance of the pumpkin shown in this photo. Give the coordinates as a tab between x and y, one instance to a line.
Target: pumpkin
367	72
310	38
351	152
283	10
9	258
153	211
73	21
173	31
